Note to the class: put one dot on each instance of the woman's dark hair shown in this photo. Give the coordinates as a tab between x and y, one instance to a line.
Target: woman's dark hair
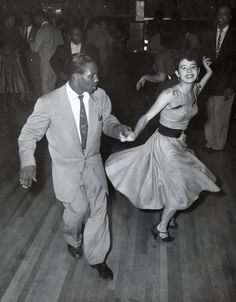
189	55
78	63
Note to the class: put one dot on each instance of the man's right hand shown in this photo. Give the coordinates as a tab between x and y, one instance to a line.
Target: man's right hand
27	176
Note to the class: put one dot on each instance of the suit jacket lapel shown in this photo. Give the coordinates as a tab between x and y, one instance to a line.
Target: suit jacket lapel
68	118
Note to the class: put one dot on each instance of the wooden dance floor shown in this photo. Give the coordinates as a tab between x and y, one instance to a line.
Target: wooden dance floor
199	266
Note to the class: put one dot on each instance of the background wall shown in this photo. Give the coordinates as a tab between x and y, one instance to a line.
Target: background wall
187	8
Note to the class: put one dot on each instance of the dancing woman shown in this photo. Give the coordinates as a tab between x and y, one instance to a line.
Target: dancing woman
164	173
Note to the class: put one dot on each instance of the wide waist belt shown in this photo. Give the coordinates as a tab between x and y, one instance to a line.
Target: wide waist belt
170	132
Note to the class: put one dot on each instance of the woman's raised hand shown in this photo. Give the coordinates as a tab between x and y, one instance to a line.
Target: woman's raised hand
206	63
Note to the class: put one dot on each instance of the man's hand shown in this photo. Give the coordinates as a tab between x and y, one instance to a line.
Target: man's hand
122	131
27	176
228	93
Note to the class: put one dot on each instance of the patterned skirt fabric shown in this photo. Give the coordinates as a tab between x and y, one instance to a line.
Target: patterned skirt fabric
12	78
162	172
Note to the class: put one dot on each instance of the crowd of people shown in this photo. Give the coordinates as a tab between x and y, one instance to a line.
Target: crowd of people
163	173
31	47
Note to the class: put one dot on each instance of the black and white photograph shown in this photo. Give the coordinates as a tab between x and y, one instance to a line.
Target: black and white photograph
117	151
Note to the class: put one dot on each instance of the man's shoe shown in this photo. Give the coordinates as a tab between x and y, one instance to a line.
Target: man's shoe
104	271
75	252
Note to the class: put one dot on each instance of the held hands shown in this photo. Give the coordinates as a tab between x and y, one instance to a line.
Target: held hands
126	134
27	176
130	138
140	82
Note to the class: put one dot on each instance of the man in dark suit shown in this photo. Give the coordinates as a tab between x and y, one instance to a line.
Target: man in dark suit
62	58
219	44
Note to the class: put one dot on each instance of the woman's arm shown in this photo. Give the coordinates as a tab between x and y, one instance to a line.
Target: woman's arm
161	102
154	78
206	63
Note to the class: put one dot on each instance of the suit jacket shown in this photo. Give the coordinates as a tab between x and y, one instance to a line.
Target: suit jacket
62	58
53	116
224	67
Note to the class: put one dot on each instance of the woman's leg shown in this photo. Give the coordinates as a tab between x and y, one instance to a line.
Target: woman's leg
166	216
161	230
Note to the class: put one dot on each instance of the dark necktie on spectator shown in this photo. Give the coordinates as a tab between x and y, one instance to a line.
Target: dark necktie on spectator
83	123
218	43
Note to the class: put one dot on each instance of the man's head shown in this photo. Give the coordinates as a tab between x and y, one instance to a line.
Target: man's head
224	15
76	35
27	19
83	73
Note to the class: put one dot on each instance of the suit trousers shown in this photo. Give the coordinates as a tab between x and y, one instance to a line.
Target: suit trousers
88	213
217	124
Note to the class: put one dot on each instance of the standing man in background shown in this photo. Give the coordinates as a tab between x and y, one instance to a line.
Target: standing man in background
219	43
45	43
61	60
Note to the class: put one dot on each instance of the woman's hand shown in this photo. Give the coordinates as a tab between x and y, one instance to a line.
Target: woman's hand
206	63
140	82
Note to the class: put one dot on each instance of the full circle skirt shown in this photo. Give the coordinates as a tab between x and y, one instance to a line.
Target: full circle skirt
164	172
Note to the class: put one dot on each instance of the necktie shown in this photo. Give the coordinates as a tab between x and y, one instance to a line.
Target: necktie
218	43
83	123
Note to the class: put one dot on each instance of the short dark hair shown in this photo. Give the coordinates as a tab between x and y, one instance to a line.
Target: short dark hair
225	4
188	54
79	60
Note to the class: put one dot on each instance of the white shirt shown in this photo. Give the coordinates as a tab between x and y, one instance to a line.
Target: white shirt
75	48
27	32
224	31
75	105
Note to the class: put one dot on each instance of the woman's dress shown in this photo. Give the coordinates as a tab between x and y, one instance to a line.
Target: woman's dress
12	77
163	172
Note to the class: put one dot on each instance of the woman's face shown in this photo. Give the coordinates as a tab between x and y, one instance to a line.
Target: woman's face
187	71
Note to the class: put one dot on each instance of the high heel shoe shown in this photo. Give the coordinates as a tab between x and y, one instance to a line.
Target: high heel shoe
156	233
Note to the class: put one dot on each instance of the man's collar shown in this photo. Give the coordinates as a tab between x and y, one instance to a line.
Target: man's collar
76	45
73	93
223	29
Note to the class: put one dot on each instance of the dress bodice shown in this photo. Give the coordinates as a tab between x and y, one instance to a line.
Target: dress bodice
184	108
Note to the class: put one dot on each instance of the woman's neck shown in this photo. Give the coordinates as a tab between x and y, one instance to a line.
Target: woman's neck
185	88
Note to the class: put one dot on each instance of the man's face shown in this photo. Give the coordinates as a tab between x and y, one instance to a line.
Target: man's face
223	17
76	36
26	20
89	79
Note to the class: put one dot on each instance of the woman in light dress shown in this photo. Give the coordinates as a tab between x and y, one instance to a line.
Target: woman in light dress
164	173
